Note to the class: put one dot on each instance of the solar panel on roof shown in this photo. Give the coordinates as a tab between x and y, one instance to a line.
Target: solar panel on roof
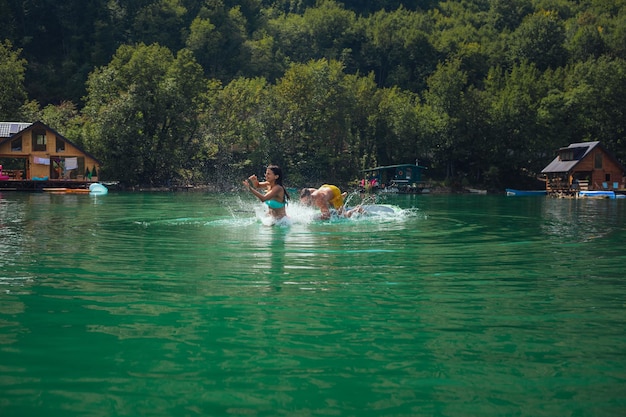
14	128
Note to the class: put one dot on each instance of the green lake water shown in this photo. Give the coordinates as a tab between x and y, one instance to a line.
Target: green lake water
185	304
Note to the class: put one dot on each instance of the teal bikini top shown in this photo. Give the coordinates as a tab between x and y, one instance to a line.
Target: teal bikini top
273	204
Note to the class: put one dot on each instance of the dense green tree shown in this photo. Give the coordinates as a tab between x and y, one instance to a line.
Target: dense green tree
9	28
585	38
397	133
290	6
594	93
326	31
556	118
540	40
289	34
312	119
465	31
143	107
358	6
563	9
12	69
160	22
478	139
265	59
443	109
613	30
57	39
397	49
64	118
515	97
508	14
362	92
217	37
369	7
234	129
330	29
456	125
204	41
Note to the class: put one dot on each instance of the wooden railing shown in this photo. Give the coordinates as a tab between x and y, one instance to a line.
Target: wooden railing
563	186
14	174
557	185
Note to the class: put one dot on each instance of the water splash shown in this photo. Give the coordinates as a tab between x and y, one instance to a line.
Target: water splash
242	212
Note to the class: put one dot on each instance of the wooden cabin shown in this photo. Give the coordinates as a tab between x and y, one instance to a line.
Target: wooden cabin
36	152
585	166
407	178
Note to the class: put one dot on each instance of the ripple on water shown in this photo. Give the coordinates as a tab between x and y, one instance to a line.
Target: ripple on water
188	304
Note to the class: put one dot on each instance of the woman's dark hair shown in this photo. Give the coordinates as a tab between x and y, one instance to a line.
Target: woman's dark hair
279	173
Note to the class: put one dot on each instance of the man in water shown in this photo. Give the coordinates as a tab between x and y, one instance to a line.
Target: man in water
325	198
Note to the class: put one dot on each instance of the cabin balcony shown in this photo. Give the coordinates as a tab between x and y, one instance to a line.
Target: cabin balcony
562	186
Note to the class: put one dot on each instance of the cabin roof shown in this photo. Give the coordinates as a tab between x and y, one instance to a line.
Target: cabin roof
580	151
10	129
393	166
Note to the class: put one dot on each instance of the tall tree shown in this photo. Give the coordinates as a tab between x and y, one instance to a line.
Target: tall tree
443	109
331	30
216	37
585	39
363	94
397	49
143	107
234	129
397	132
594	89
161	22
12	69
508	14
540	40
312	119
515	97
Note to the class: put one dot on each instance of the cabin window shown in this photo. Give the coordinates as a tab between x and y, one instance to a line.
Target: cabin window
598	160
14	128
39	140
567	155
16	145
60	144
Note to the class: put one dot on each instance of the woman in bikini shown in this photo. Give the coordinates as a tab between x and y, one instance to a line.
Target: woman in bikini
275	195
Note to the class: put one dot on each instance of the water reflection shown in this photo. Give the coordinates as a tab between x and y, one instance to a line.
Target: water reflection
15	259
187	304
581	220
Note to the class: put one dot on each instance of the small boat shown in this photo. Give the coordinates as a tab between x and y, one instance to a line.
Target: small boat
611	195
98	189
518	193
476	191
65	190
55	190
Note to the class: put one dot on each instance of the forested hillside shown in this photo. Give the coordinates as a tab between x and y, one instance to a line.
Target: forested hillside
206	91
